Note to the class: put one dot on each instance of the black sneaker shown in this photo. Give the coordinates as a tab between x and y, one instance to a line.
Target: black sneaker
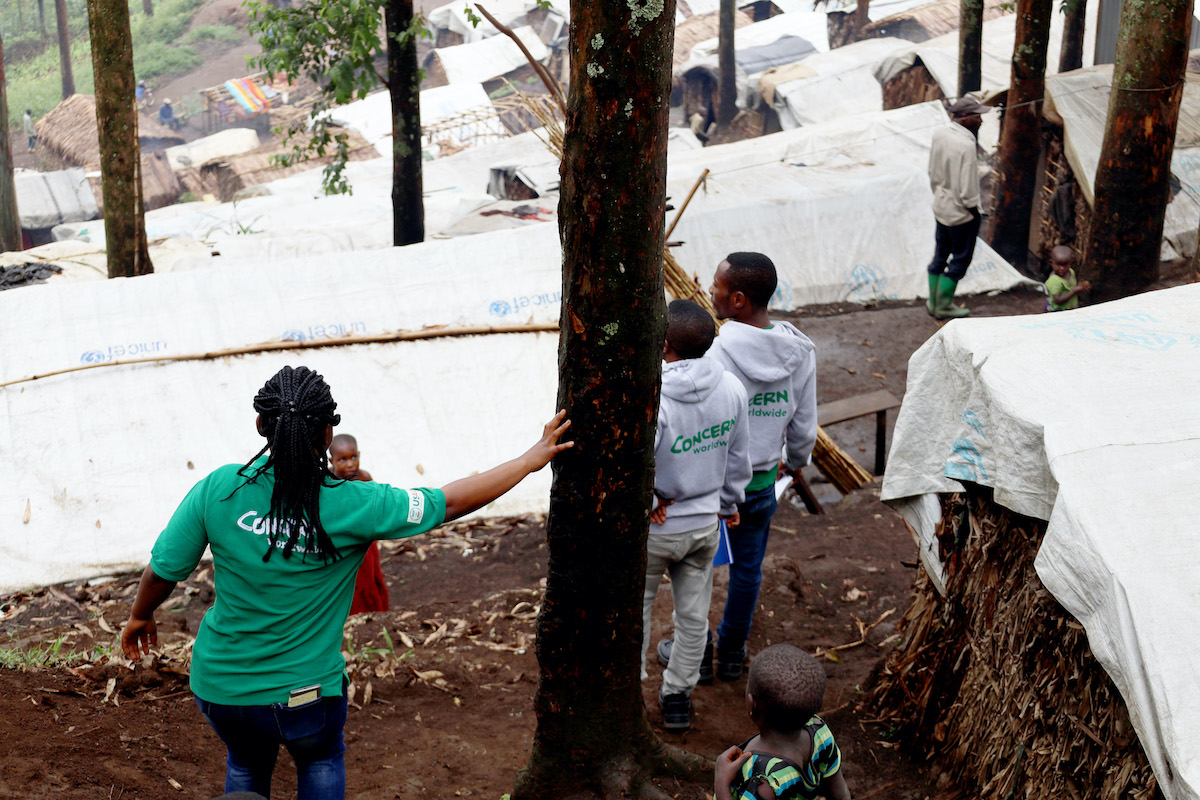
676	711
730	661
706	662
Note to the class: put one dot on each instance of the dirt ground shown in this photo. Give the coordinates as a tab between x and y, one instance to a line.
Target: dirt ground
444	699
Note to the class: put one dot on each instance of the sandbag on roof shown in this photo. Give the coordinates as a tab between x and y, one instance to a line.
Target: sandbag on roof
46	199
1084	418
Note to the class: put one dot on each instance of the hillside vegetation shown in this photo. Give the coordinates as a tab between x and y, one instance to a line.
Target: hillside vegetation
163	47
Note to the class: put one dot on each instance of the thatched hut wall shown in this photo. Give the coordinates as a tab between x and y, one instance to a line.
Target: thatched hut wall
69	131
911	86
995	683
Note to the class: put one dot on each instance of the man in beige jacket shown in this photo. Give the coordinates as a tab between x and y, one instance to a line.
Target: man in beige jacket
954	178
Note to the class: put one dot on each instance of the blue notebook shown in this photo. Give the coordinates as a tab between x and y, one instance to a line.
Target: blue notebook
724	551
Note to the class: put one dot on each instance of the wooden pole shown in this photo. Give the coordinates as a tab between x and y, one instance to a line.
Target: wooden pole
272	347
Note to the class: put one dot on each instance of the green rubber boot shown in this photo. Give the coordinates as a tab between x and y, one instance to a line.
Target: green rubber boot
931	303
945	308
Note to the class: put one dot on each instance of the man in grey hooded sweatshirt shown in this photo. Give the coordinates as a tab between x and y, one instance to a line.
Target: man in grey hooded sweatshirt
777	366
701	468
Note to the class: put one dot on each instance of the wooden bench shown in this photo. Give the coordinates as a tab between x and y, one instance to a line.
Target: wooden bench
876	403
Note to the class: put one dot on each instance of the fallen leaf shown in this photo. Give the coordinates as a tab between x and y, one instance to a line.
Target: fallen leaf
175	784
104	626
428	675
405	639
879	375
433	637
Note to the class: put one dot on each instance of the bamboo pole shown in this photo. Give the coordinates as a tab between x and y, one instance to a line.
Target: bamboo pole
271	347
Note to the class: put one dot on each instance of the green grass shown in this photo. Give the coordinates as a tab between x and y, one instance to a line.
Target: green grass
33	78
215	33
44	655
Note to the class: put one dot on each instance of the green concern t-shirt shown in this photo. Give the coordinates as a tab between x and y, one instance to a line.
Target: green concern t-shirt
277	625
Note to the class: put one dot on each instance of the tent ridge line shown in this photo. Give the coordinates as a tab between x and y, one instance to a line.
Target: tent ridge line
436	332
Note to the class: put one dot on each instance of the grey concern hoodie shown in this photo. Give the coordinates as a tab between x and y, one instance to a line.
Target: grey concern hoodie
778	368
701	446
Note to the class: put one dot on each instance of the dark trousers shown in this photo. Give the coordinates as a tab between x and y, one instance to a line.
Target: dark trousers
954	247
749	544
312	734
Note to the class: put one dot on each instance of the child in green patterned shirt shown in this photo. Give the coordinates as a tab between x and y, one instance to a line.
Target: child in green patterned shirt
794	756
1061	285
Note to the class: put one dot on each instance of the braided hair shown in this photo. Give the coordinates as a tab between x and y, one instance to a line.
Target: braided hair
295	406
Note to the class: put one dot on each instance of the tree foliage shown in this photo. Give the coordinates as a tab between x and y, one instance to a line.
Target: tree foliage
337	45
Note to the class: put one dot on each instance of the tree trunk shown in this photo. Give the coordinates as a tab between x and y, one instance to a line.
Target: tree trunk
1132	186
404	88
726	66
42	18
1020	136
64	48
10	222
116	118
861	18
970	46
1071	54
593	738
148	7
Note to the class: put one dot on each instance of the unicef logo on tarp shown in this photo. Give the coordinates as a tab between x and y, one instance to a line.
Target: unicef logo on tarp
94	357
500	308
293	336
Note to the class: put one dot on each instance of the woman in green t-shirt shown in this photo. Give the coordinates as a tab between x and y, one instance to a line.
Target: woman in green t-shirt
266	665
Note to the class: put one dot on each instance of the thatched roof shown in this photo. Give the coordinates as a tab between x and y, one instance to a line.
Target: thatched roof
69	131
233	173
927	21
160	185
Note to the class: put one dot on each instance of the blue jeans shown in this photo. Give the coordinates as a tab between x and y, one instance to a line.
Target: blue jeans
312	734
749	544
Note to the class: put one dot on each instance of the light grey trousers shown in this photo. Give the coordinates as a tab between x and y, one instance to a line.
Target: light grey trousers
687	557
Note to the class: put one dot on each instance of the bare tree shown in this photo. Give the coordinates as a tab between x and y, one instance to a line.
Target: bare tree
10	222
1132	180
1071	54
64	48
593	738
148	7
116	118
1020	137
726	65
970	46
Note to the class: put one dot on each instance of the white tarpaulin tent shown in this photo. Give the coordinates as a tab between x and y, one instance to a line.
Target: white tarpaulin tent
453	17
229	142
842	84
1087	419
940	56
1079	100
843	208
129	441
46	199
489	58
372	116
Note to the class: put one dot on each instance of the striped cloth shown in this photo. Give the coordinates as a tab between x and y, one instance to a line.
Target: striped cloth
248	94
789	780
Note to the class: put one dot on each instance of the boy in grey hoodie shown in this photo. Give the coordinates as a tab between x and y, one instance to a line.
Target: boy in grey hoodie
777	366
701	468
